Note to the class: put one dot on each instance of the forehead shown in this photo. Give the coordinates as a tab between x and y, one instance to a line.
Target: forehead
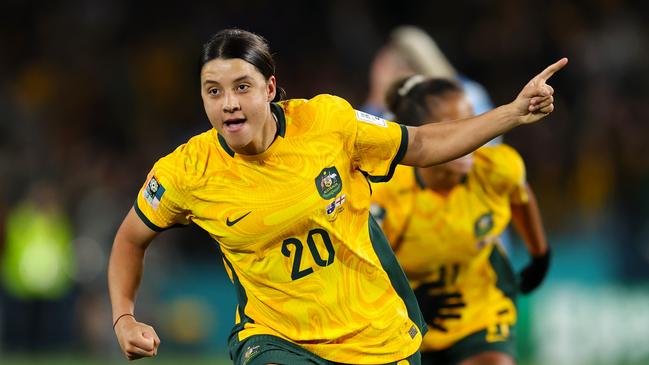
227	70
451	105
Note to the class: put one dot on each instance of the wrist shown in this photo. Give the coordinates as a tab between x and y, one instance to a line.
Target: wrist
541	253
122	318
510	115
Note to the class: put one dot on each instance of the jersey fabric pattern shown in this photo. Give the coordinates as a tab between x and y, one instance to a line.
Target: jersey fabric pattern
455	238
308	262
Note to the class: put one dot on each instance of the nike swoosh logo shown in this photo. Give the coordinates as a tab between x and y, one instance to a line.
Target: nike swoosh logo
232	223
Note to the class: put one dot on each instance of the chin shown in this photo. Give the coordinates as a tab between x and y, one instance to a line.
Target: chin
236	141
238	144
462	165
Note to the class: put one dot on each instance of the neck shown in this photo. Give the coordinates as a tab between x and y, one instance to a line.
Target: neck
439	179
265	138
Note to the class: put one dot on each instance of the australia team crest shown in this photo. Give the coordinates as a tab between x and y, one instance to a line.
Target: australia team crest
484	224
328	183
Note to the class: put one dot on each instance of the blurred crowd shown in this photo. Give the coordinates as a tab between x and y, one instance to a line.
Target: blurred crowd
92	92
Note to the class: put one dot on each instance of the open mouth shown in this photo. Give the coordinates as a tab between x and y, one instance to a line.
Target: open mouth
234	124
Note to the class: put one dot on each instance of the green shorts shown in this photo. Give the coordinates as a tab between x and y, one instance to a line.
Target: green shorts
267	349
467	347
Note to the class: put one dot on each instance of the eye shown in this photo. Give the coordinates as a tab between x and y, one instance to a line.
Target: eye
213	91
243	87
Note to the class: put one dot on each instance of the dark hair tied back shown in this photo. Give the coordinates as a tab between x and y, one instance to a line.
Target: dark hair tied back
407	98
248	46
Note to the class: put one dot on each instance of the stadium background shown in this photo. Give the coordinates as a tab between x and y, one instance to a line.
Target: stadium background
92	92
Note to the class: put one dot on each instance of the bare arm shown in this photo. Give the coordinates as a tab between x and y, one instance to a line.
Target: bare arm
527	221
124	274
435	143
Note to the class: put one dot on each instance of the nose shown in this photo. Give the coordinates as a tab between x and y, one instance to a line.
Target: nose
231	103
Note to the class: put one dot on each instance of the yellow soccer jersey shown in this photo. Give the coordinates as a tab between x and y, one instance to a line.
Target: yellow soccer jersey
398	196
455	236
309	264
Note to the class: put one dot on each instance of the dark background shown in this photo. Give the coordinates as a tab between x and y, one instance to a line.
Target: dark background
93	92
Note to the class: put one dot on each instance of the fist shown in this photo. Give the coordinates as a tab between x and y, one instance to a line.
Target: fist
136	339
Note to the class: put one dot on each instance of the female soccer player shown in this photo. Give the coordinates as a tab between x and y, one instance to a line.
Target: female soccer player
282	187
444	222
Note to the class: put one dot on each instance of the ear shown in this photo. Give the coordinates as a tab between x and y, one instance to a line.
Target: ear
271	89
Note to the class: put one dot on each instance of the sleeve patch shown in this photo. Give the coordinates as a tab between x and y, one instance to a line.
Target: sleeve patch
369	118
153	192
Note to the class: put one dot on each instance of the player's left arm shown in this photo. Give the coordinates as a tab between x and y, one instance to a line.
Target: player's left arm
526	218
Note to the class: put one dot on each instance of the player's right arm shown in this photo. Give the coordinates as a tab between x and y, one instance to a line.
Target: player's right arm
125	268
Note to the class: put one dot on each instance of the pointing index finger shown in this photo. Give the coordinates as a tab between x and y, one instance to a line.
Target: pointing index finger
550	70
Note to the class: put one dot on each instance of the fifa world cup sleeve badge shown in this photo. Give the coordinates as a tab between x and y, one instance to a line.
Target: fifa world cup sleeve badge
153	192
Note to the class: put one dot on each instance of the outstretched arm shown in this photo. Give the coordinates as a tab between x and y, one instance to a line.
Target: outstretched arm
435	143
124	274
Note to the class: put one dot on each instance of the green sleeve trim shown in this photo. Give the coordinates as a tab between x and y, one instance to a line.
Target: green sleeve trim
403	148
145	219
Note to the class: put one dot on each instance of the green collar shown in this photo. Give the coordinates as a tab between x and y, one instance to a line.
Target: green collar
419	179
281	119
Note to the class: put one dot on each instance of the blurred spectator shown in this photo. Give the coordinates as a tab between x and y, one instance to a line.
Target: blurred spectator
37	272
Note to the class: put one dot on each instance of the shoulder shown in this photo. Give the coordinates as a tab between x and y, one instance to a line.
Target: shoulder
403	178
191	156
500	163
329	100
319	103
499	154
325	112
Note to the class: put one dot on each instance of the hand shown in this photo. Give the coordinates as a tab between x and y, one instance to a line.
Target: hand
534	273
436	305
535	101
136	339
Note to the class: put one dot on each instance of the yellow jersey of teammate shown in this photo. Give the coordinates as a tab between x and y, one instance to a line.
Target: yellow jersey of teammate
454	238
309	264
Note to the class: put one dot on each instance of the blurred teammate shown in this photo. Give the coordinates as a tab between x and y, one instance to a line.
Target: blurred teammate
282	187
408	51
444	222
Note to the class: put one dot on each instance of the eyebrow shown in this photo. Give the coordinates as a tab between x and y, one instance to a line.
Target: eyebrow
238	79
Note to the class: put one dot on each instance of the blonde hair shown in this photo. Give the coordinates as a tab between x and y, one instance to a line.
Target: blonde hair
421	52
